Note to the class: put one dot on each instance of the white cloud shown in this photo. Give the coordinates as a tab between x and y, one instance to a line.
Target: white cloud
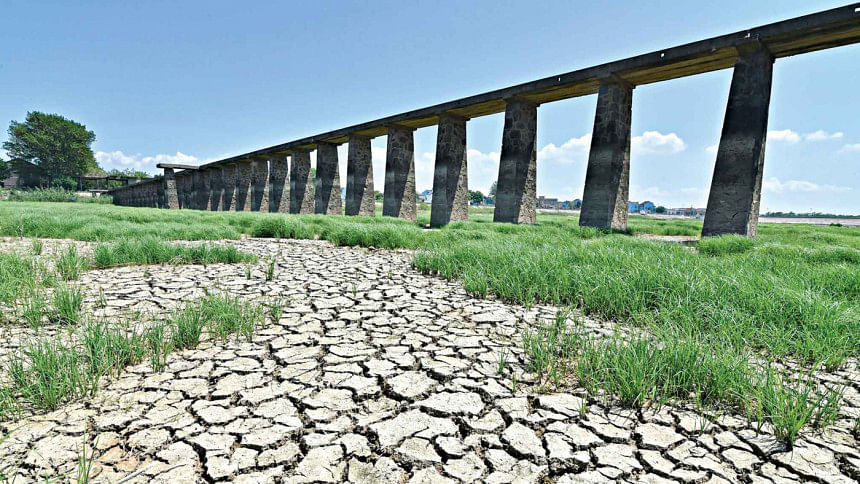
712	149
786	135
572	150
118	159
657	142
822	135
851	147
775	185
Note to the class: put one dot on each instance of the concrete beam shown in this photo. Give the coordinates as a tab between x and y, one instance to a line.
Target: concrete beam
450	181
733	204
515	191
399	195
301	184
327	182
360	197
607	178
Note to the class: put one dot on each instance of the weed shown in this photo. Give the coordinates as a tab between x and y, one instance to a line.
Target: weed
36	247
502	361
109	348
270	270
70	264
85	462
66	305
34	308
48	373
187	327
159	345
276	310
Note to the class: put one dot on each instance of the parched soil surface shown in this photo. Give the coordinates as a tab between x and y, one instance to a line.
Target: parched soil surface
376	373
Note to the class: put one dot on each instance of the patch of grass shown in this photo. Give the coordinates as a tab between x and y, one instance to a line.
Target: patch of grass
226	316
34	308
48	373
641	372
150	250
187	328
725	245
36	247
20	276
70	264
109	348
66	304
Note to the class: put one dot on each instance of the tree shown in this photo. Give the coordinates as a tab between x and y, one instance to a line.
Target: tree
60	146
476	197
493	190
660	209
4	168
377	195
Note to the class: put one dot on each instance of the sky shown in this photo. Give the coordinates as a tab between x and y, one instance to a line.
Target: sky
192	82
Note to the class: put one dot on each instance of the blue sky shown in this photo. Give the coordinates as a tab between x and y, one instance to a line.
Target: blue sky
197	81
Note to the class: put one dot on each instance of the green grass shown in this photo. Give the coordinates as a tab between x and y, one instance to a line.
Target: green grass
46	373
54	195
712	312
641	372
66	304
150	250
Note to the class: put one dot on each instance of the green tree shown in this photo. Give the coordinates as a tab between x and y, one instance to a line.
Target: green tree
493	190
4	168
377	195
660	209
476	196
60	146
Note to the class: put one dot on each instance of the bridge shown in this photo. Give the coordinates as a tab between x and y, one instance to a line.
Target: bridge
278	178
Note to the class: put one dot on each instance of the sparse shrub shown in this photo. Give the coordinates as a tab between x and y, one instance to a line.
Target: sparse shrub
66	305
36	247
70	264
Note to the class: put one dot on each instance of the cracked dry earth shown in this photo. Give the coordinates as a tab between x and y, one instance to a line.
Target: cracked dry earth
376	373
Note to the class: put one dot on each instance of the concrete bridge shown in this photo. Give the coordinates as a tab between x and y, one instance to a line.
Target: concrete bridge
278	178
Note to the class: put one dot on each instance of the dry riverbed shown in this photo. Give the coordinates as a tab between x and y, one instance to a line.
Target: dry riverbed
376	373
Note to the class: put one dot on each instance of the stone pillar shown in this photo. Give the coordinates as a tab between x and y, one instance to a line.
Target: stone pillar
607	178
260	182
216	187
243	186
199	191
301	184
171	196
228	182
327	183
450	185
159	195
360	199
399	194
279	184
515	190
733	204
206	189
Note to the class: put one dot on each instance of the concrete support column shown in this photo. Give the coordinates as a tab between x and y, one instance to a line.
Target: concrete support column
607	178
327	183
171	196
243	186
206	193
399	195
279	184
185	185
301	184
260	182
733	204
228	194
450	184
199	191
216	187
515	190
360	199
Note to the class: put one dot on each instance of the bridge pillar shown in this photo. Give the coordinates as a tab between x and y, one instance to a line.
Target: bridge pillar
243	186
399	195
515	189
279	190
197	191
450	182
301	184
215	189
260	182
360	199
607	178
228	182
327	183
733	203
171	196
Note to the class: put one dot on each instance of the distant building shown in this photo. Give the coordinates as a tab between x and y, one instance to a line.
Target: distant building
543	202
686	211
577	204
566	205
426	196
489	202
632	207
647	207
